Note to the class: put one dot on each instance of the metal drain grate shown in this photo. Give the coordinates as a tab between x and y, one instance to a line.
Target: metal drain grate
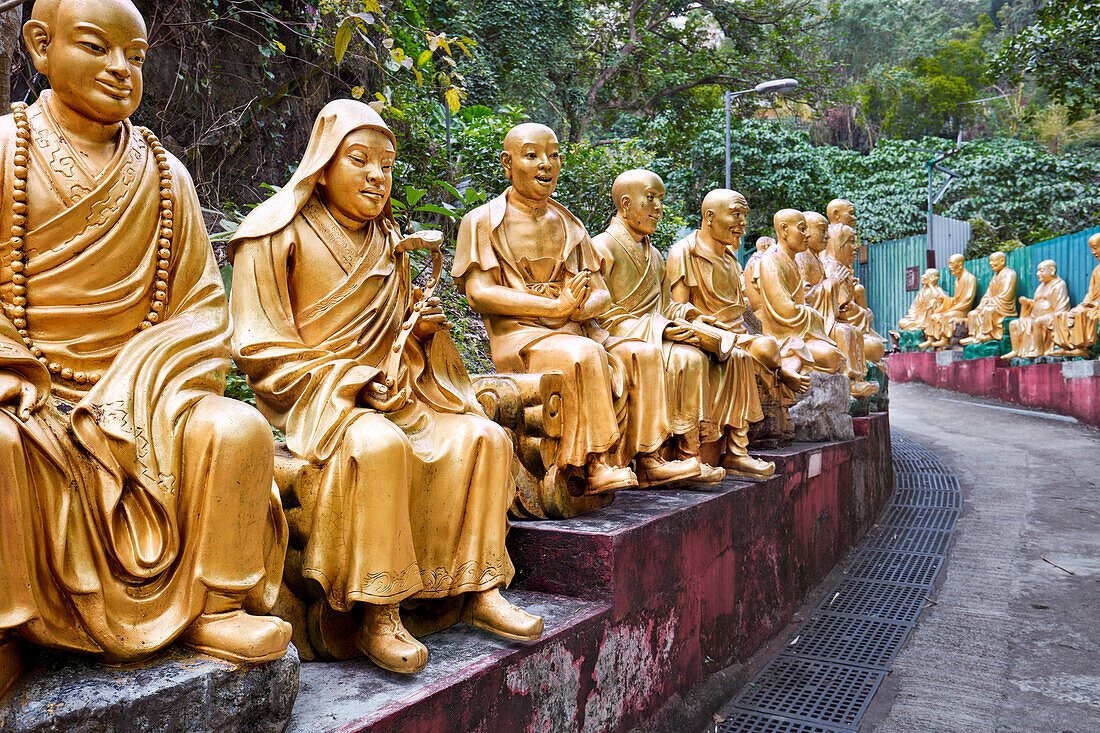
921	518
834	694
926	480
895	567
927	498
860	641
748	721
911	539
867	598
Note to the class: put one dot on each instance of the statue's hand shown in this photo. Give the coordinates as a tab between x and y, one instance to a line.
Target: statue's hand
681	334
380	397
17	391
432	319
573	295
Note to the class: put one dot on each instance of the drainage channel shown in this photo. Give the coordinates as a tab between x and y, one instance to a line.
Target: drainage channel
824	679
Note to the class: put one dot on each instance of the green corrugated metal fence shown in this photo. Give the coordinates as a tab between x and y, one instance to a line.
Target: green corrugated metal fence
885	285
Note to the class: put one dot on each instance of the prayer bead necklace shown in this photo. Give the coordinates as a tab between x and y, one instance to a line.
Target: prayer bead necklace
17	309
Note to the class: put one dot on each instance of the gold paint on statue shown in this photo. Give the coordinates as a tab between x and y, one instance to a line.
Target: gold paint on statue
1032	333
986	321
703	271
137	503
748	276
857	313
954	309
528	267
358	368
1075	329
927	301
784	311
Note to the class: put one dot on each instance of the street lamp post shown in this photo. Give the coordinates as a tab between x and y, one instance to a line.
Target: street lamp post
765	87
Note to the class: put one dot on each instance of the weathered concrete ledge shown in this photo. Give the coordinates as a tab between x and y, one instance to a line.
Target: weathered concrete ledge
177	691
1068	388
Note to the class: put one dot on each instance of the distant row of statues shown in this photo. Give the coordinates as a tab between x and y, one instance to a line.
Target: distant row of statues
1046	324
140	507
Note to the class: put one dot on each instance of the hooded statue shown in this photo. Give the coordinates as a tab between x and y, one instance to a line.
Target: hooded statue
415	481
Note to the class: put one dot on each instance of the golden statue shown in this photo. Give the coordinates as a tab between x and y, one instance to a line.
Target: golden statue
1032	333
843	212
986	321
528	267
136	502
1075	329
748	276
784	311
703	271
709	399
955	308
357	367
926	302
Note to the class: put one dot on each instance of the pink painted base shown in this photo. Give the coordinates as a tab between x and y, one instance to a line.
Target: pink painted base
643	600
1039	385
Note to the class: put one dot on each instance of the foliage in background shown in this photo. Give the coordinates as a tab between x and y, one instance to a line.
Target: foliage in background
1060	52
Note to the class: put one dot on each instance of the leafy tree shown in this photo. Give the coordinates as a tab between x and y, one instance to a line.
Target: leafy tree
1060	51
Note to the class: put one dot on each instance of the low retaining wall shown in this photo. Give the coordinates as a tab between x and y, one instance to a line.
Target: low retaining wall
645	601
1068	388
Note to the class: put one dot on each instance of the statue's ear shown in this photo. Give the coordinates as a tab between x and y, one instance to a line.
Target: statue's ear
36	36
624	202
506	163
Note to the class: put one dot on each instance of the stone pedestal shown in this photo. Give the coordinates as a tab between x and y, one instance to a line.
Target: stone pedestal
176	691
821	413
1080	369
948	357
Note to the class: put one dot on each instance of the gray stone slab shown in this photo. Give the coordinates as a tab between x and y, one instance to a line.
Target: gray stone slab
821	413
176	691
353	694
948	357
1080	369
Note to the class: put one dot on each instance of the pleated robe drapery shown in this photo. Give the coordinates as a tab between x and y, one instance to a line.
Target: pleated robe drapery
1033	335
986	321
955	308
825	294
412	503
113	536
784	311
599	370
1076	328
927	300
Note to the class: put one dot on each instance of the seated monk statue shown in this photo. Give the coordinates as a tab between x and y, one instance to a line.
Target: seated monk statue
784	311
706	401
1075	329
360	371
826	293
528	267
136	502
1032	333
703	271
927	300
986	321
941	323
838	261
841	211
748	276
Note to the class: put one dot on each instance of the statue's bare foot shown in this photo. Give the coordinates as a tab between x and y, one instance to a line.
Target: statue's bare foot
488	610
385	641
1009	355
792	380
238	636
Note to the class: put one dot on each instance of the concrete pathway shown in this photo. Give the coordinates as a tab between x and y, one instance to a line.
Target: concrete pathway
1013	643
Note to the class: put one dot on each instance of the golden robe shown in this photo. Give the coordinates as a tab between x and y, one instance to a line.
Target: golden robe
714	288
851	310
784	311
606	409
955	308
986	321
124	503
1076	328
926	302
700	392
411	503
825	292
749	280
1033	334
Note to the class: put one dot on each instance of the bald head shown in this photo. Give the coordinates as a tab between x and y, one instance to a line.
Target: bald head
1047	270
639	197
722	198
932	275
531	161
723	217
997	261
632	183
50	11
817	227
955	264
841	211
790	230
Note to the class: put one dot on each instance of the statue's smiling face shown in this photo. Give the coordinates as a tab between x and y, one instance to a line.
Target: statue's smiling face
93	56
356	183
532	161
